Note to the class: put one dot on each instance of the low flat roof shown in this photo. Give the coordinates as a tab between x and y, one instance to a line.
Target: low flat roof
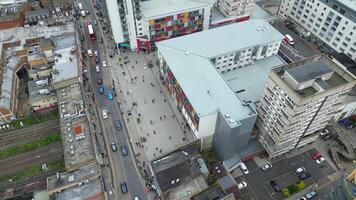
161	8
240	79
66	65
225	39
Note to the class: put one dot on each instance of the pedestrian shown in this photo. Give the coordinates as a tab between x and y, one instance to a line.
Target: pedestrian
164	100
172	116
156	148
164	116
154	132
160	150
170	137
160	118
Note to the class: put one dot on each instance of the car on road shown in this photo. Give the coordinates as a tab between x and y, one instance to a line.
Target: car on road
118	125
123	187
302	198
97	68
304	176
244	168
101	90
136	198
96	53
346	123
320	160
128	112
311	195
266	167
97	60
87	12
326	137
113	147
324	132
274	186
316	155
242	185
100	81
105	114
300	170
95	22
124	150
90	52
110	95
104	63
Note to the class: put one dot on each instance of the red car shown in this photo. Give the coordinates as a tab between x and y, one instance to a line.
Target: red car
316	155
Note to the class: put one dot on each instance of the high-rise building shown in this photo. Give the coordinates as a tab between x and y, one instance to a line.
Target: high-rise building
332	21
137	25
298	102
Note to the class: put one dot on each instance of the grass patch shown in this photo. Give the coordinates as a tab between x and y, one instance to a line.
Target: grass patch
31	171
33	119
21	148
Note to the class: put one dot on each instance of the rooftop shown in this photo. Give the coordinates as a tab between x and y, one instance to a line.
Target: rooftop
77	145
213	192
86	190
66	65
179	167
69	179
40	89
309	71
239	80
35	13
162	8
254	33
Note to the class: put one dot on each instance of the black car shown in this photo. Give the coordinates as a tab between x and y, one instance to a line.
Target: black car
326	137
304	176
100	81
97	60
274	186
118	125
124	151
123	187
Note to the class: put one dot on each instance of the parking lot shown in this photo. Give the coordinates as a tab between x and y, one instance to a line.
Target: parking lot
283	173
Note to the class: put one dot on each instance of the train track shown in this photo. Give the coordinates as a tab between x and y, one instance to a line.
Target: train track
34	183
51	152
28	134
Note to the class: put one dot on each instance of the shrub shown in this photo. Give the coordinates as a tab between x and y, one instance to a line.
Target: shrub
285	192
292	188
300	185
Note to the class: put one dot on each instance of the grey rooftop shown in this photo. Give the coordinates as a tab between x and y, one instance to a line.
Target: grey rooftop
309	71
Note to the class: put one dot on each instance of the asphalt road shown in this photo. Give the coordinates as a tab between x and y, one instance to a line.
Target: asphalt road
123	167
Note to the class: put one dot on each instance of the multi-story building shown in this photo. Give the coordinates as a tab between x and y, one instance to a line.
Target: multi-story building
332	21
233	8
191	68
298	101
138	25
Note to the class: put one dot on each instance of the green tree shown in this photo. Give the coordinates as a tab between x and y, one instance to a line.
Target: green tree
285	192
300	185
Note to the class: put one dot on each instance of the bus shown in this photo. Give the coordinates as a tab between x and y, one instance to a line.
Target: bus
91	31
289	39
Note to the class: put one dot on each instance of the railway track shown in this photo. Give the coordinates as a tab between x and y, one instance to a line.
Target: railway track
38	156
28	134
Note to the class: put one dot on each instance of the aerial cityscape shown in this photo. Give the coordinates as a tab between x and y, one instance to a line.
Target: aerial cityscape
177	99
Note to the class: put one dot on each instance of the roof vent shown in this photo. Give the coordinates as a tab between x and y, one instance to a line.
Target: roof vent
227	115
231	121
187	53
258	29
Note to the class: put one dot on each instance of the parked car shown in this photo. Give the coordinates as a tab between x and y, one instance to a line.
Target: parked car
244	168
97	60
96	53
95	22
118	125
90	52
300	170
101	90
324	132
100	81
302	198
316	155
326	137
104	63
124	150
113	147
136	198
97	68
346	123
274	186
110	95
123	187
105	114
304	176
266	167
129	112
311	195
242	185
320	160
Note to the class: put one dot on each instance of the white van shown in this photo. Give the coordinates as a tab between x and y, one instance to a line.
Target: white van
244	168
90	53
288	39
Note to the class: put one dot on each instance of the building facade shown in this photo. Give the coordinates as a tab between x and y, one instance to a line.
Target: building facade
154	20
332	21
234	8
298	102
212	109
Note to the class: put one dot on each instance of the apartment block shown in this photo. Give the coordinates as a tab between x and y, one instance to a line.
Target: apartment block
332	21
192	68
149	21
298	102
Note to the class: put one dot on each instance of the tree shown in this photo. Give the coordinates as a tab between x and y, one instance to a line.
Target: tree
285	192
300	185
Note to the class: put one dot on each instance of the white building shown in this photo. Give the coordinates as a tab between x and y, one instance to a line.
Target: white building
137	25
298	101
332	21
192	70
233	8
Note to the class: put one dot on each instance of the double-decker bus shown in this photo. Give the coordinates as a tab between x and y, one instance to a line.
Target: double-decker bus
91	31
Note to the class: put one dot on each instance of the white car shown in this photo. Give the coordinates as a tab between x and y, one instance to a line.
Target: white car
300	170
90	52
97	68
242	185
96	53
104	63
320	160
244	168
266	167
105	114
324	132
